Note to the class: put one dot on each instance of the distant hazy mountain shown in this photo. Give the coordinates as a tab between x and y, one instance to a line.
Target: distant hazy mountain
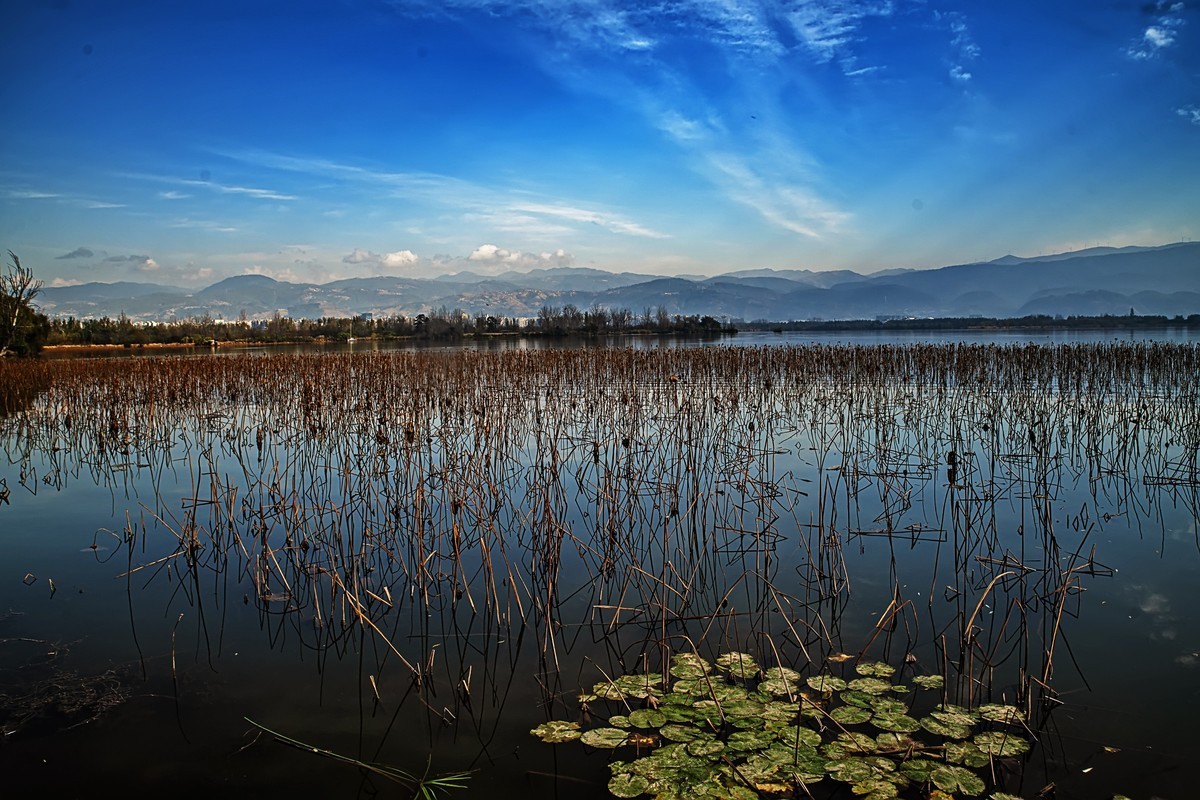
1103	280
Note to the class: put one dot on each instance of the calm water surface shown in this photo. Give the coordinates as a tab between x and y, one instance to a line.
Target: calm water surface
429	600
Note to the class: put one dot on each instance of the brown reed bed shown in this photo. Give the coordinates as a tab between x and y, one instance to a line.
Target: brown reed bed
627	504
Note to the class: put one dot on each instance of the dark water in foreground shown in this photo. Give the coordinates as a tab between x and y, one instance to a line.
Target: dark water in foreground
416	565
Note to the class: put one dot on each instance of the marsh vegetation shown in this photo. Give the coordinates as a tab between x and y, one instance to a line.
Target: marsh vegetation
421	556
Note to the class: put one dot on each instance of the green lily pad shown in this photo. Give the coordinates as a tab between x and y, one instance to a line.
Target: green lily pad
854	697
749	740
886	705
850	770
674	713
680	733
640	687
689	665
795	736
994	712
957	779
966	753
875	669
608	690
619	721
628	785
929	681
896	742
779	711
605	738
876	789
919	769
849	715
899	723
943	728
556	731
647	718
1002	745
779	687
826	683
705	747
742	666
869	685
950	708
847	744
956	717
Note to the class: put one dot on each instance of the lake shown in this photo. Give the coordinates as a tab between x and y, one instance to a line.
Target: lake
414	557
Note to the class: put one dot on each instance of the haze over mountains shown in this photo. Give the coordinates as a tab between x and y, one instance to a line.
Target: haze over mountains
1150	280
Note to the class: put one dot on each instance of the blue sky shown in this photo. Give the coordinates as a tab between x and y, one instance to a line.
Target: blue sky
183	142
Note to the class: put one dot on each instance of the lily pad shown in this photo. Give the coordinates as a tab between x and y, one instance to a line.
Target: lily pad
689	665
749	740
849	744
778	711
739	665
896	742
604	738
628	785
957	779
966	753
919	769
875	669
886	705
647	718
640	686
854	697
680	733
950	730
1001	744
869	685
705	747
556	731
795	736
619	721
929	681
826	683
850	715
899	723
994	712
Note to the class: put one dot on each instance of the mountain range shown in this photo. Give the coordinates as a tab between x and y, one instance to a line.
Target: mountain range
1150	280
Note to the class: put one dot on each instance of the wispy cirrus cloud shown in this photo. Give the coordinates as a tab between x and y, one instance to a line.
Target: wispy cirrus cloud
504	207
208	185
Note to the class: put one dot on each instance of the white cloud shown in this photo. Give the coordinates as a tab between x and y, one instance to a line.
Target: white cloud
400	258
1190	113
147	265
173	195
1160	35
490	255
60	282
791	206
959	74
609	221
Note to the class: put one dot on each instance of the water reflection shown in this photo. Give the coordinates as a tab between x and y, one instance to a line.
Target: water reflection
432	552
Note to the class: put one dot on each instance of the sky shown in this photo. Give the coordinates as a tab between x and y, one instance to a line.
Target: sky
184	142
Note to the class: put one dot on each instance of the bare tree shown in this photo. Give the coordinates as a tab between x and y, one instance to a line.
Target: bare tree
18	288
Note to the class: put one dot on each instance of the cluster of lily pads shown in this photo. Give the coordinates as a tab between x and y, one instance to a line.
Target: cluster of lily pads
736	730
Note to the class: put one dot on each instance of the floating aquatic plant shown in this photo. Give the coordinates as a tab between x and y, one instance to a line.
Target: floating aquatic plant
736	730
